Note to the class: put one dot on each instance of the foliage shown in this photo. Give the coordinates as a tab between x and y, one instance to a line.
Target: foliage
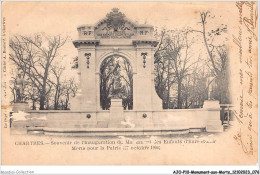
35	57
181	75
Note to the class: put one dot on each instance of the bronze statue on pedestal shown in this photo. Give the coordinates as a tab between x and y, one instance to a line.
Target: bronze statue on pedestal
19	88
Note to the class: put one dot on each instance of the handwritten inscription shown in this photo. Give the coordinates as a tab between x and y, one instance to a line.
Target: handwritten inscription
238	42
245	40
239	138
250	22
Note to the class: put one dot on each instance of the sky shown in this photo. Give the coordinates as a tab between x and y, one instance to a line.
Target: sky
63	18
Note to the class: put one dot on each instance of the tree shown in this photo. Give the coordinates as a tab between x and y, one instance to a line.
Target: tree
12	87
68	89
182	62
164	76
31	93
128	78
57	72
75	63
218	56
35	56
173	64
106	70
194	87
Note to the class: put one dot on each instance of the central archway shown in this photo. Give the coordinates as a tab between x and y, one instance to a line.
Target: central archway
116	81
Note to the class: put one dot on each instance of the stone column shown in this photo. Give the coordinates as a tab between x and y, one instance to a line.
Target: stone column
86	45
213	114
143	79
147	98
98	90
134	91
88	78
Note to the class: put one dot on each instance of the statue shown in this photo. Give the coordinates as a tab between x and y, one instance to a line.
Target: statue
211	82
116	91
19	88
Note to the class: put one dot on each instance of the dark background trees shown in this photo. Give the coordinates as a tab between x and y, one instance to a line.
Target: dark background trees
184	60
215	44
35	56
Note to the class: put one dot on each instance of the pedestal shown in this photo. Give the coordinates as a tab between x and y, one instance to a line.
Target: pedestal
116	115
213	114
20	107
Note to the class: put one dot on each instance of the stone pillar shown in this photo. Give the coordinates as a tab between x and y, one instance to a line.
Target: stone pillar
98	90
86	97
88	78
143	78
116	115
146	96
213	114
134	91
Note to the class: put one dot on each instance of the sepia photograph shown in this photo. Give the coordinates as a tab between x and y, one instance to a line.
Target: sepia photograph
129	83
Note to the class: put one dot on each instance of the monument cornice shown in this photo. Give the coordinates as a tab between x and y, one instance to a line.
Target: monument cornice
153	43
94	42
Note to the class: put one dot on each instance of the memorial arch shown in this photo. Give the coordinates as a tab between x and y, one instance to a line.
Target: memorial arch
116	35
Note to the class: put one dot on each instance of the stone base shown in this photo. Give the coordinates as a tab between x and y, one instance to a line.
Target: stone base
20	107
213	112
116	116
214	123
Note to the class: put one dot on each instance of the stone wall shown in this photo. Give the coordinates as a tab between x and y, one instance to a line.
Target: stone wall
174	119
156	121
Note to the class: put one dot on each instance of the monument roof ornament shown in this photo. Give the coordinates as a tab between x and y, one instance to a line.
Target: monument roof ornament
115	26
115	20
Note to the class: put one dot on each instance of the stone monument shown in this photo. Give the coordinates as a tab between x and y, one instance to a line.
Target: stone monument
116	115
214	123
116	35
19	104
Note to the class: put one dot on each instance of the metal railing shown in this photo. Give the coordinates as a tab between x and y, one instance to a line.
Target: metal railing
226	114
